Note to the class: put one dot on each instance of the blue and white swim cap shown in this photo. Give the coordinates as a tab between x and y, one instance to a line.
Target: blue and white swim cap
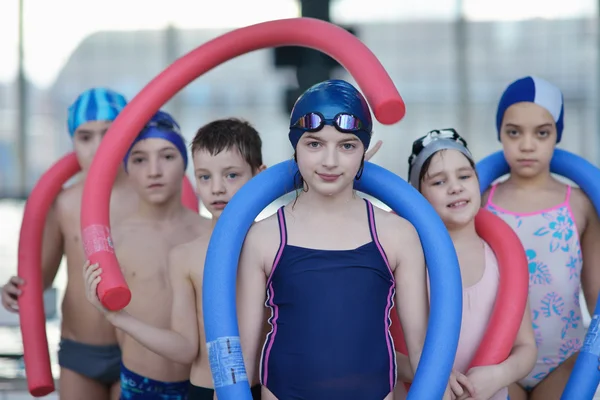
536	90
96	104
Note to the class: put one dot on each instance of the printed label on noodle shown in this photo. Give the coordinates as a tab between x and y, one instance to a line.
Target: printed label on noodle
591	343
96	239
226	361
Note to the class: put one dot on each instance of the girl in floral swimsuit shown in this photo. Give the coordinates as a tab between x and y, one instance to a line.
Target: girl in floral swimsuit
558	227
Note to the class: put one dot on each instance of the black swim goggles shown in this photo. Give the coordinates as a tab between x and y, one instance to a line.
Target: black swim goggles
343	122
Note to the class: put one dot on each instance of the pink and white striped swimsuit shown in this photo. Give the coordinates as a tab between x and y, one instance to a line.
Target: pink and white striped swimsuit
551	243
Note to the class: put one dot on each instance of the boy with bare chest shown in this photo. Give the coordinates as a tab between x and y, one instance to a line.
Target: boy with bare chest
89	356
156	165
226	154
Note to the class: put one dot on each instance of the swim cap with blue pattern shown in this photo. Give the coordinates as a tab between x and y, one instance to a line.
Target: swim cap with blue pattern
96	104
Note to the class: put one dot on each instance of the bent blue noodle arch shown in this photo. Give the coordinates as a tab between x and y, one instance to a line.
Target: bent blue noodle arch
585	377
220	271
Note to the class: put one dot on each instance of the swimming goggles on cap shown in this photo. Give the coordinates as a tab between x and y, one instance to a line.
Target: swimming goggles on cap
343	122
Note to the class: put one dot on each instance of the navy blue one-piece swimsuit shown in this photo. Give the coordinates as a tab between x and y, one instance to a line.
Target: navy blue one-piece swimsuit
330	318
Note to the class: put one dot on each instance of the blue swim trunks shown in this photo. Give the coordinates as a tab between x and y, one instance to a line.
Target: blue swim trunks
137	387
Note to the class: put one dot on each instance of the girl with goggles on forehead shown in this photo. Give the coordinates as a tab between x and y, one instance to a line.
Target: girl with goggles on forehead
442	169
330	266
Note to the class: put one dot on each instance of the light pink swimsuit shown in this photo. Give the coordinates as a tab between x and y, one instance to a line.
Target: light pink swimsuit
551	242
478	303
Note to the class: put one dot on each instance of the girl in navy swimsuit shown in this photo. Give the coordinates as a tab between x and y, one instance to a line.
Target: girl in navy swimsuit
333	265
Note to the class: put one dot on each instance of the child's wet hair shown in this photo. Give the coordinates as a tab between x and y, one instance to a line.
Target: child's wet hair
228	134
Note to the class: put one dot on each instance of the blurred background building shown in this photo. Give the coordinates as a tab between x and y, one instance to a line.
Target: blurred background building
450	59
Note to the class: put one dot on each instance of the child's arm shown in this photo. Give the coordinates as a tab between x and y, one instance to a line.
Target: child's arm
488	380
523	355
52	247
590	272
180	343
411	294
411	291
251	284
52	252
404	368
412	301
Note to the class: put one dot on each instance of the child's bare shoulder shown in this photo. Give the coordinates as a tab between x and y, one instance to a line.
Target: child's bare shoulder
190	255
68	200
263	240
500	187
197	223
397	235
264	230
191	250
391	222
581	202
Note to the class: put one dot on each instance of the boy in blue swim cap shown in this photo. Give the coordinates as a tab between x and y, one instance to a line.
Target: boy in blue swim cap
89	356
226	154
155	164
330	266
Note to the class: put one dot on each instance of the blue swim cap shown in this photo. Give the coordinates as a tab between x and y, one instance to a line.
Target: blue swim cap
162	126
536	90
96	104
329	99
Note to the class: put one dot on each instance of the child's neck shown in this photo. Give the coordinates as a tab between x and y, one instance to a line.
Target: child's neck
462	234
539	181
323	204
169	210
121	178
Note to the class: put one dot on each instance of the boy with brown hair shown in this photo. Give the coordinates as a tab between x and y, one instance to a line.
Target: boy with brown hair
226	154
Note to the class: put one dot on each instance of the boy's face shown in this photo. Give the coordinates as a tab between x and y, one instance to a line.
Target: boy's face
155	168
86	141
219	177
